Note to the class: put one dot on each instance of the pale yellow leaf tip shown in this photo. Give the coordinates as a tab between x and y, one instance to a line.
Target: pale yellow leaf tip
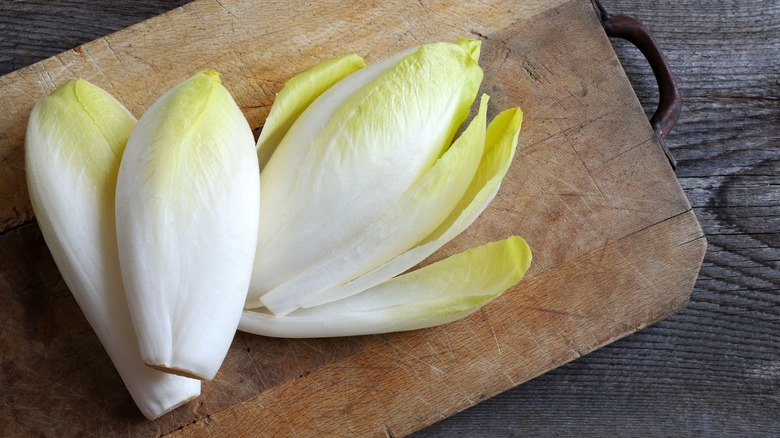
211	73
470	46
519	253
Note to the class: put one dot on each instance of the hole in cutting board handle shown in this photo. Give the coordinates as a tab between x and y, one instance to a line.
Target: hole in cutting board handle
670	101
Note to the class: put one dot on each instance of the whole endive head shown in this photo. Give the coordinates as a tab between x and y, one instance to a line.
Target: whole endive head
74	144
187	218
356	153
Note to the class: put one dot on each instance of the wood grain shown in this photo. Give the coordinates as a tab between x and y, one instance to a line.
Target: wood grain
635	384
393	390
712	369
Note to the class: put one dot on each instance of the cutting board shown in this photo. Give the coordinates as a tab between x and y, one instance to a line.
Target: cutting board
616	245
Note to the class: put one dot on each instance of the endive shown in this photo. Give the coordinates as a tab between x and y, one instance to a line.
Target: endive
439	293
187	219
74	143
365	183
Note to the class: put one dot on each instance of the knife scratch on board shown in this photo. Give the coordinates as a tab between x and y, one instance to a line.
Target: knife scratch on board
493	331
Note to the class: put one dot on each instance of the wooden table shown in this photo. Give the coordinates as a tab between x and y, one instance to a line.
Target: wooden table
714	368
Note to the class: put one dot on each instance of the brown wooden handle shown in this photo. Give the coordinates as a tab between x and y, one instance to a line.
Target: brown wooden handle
670	101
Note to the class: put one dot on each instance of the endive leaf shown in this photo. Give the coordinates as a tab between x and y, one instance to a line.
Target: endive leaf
296	95
422	208
355	152
500	145
75	140
436	294
187	218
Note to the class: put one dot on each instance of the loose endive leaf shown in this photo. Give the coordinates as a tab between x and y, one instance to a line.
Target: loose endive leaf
436	294
187	218
420	211
500	146
75	140
296	95
355	152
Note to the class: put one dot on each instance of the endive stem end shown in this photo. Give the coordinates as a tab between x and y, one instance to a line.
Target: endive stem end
176	371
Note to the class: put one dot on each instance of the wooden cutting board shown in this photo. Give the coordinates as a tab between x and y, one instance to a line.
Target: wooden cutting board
616	245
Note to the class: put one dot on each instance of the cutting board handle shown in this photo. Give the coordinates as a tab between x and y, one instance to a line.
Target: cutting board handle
670	101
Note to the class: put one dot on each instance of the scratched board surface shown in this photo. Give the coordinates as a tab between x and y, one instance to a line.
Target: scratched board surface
616	246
